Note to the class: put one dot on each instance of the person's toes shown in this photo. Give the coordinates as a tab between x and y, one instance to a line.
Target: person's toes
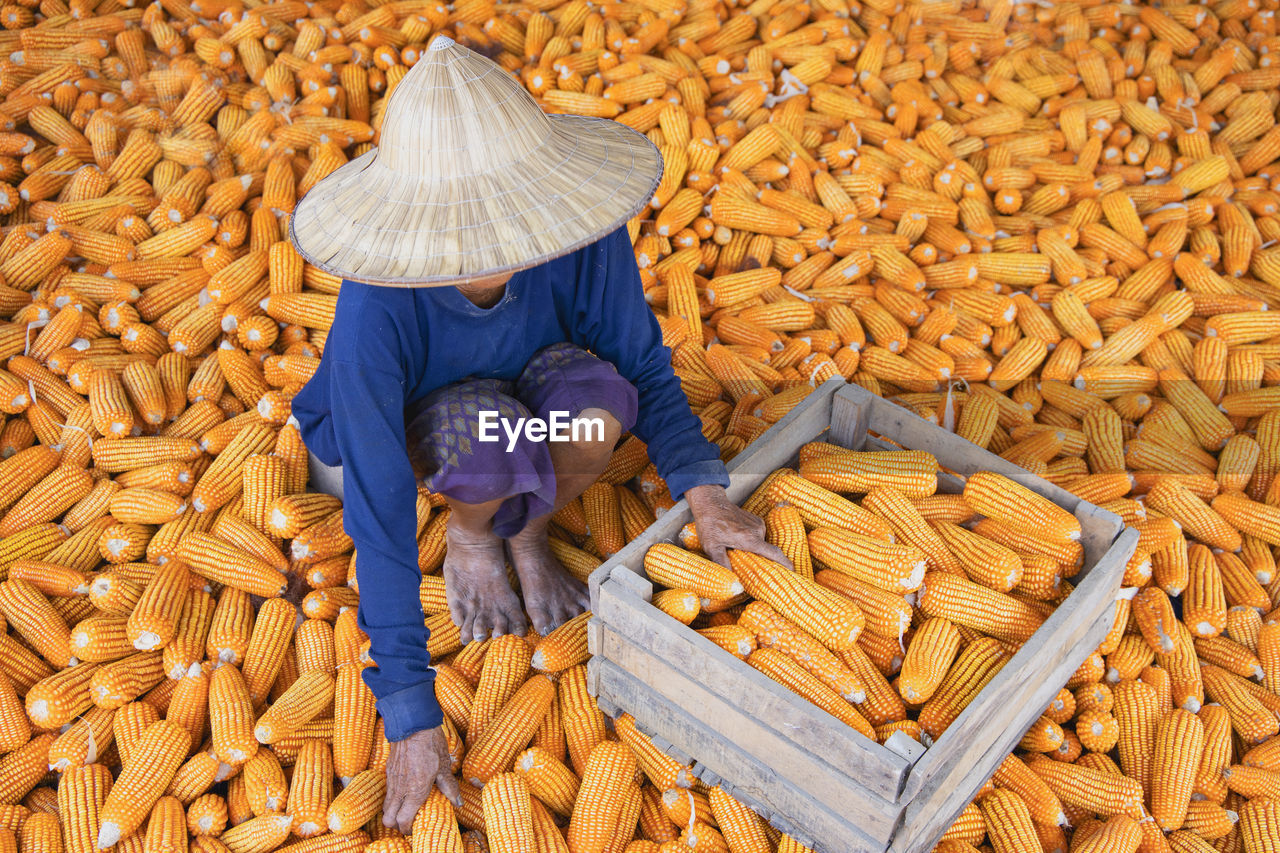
516	623
542	619
480	624
502	623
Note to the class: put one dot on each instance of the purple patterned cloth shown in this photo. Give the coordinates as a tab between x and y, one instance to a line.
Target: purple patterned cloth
449	457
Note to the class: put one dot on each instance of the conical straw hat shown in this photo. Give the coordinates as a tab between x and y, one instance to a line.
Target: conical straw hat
471	179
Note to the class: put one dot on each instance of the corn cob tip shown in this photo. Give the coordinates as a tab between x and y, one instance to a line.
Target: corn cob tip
147	641
108	834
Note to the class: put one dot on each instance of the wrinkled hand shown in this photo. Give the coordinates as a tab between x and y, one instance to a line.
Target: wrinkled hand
414	766
723	525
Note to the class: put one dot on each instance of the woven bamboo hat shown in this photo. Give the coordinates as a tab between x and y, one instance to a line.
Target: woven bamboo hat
471	179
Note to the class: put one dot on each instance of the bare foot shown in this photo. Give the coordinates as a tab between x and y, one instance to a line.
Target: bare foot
481	600
551	595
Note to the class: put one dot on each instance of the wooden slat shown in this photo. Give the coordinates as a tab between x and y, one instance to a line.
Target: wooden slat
755	778
639	627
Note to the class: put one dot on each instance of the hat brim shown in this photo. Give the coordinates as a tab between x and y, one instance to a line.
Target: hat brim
371	224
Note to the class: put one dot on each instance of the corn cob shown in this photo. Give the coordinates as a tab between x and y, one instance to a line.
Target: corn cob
510	730
155	759
834	621
600	797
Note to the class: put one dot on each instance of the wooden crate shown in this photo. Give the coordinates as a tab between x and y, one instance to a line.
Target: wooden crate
807	773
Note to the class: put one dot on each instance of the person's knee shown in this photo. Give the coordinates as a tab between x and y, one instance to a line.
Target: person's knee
597	431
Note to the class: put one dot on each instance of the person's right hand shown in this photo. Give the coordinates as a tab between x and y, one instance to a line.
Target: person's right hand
414	766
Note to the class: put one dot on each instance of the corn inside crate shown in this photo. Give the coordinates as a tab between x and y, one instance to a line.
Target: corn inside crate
806	772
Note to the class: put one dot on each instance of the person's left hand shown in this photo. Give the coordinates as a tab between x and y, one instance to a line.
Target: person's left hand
723	525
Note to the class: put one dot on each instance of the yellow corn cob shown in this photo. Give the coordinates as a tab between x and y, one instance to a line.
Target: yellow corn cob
564	647
785	528
831	619
600	797
773	630
264	783
551	781
928	659
435	827
258	834
188	644
973	606
675	568
154	619
822	508
1009	825
207	816
302	702
1249	517
1204	606
509	731
508	814
984	561
973	669
1000	498
119	682
224	480
189	705
154	760
22	769
1260	824
82	791
581	718
229	631
1093	790
1179	747
506	666
892	567
47	500
1154	615
291	513
166	827
780	667
231	716
912	472
311	788
33	617
353	703
214	559
41	831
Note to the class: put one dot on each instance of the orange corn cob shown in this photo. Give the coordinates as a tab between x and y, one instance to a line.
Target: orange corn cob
600	797
155	759
675	568
510	730
831	619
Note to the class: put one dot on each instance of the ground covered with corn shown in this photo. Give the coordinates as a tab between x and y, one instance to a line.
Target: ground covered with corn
1050	227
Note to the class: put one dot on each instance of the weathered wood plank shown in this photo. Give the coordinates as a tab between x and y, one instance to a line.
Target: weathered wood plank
638	626
756	778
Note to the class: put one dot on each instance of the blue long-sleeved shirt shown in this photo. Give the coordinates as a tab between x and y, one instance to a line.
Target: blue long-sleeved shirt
390	347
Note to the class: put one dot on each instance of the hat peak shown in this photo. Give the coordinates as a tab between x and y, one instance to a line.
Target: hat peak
441	42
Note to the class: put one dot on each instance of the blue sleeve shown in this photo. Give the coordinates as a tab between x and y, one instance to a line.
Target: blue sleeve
380	495
612	319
